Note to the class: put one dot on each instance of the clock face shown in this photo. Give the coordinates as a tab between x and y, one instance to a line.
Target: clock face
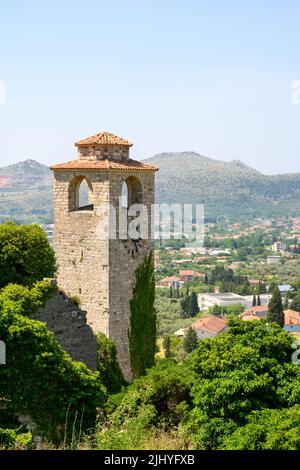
132	246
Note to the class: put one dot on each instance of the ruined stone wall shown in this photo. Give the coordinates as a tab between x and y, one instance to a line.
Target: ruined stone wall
69	325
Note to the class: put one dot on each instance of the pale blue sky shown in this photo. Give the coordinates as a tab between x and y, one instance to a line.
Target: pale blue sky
210	76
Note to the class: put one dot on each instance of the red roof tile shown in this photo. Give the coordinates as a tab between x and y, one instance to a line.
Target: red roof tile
104	138
212	323
186	272
170	279
291	317
254	310
103	165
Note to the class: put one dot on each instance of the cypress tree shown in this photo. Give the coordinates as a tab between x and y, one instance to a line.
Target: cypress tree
254	301
167	346
143	323
190	341
194	307
258	300
275	312
171	292
272	287
185	307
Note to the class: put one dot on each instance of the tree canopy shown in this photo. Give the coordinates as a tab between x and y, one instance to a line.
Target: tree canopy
25	254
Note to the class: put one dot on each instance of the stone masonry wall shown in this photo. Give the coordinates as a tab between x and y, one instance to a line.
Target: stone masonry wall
69	325
98	271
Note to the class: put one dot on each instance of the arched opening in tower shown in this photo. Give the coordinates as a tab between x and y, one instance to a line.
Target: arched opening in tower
81	195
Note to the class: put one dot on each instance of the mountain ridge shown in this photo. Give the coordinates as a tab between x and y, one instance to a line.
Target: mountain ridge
232	189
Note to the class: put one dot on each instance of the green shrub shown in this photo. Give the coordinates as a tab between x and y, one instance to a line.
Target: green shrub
42	381
23	300
13	438
108	366
156	401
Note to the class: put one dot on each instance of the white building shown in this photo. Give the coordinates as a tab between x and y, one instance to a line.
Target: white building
279	247
273	259
206	301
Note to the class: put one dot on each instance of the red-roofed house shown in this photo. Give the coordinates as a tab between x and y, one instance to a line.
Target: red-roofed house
171	281
254	282
255	313
209	327
291	317
186	275
189	275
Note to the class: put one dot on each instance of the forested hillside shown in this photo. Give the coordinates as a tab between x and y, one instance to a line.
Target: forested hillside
226	188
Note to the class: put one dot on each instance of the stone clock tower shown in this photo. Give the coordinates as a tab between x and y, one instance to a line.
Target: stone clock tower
93	264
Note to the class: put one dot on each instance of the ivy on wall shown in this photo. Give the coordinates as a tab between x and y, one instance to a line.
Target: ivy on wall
39	378
143	323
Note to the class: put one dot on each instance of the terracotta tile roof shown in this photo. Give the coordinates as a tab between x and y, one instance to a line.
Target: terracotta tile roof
103	165
291	317
186	272
213	323
170	279
104	138
250	317
254	310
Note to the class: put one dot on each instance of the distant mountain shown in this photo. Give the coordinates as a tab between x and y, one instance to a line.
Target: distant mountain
226	188
26	192
28	173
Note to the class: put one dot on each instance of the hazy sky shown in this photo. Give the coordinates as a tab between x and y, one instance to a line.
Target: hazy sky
169	75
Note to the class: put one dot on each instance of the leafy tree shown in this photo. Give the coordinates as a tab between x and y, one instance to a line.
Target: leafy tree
23	300
107	364
190	341
275	311
227	310
143	319
167	346
247	368
217	310
268	430
25	254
